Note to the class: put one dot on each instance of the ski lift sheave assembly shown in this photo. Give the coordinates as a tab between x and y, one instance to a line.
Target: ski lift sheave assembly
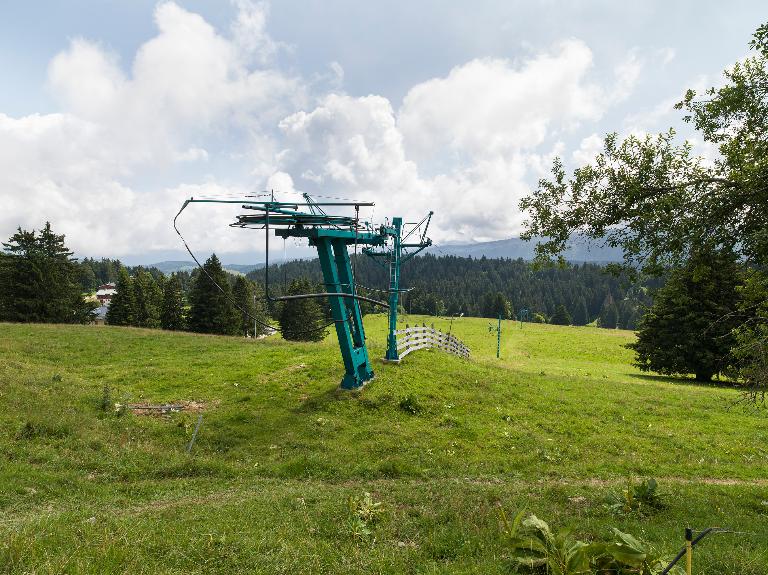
332	235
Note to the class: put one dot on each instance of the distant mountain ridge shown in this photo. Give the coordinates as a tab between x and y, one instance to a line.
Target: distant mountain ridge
513	248
169	267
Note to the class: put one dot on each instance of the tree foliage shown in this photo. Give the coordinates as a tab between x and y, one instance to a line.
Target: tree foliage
39	280
561	316
609	314
122	307
750	352
211	308
658	201
688	329
451	285
148	300
249	299
580	312
663	205
172	316
301	319
495	305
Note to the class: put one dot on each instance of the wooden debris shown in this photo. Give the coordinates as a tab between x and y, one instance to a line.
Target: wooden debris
166	408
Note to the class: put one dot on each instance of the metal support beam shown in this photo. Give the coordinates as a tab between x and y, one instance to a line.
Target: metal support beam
337	274
394	290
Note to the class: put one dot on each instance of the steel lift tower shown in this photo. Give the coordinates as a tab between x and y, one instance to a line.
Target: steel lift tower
333	235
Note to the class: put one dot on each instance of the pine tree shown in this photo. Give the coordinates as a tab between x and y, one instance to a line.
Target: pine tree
580	313
211	309
627	315
122	307
689	327
262	312
87	278
301	319
172	312
609	315
250	301
561	316
5	286
148	300
39	281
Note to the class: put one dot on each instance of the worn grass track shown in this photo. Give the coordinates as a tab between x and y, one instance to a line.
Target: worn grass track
561	420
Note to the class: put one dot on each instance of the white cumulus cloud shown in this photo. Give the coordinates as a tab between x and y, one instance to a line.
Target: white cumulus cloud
189	94
197	111
467	145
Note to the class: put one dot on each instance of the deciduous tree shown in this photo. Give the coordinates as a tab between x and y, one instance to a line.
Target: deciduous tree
661	203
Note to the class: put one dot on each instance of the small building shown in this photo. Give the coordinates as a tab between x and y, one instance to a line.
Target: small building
105	292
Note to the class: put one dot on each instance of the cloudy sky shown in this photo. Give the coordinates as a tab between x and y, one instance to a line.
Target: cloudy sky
113	112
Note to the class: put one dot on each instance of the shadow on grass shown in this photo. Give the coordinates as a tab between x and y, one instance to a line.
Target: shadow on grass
686	381
321	400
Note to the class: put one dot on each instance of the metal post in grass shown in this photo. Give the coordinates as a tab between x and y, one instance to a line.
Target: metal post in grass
194	433
690	543
450	327
255	321
498	336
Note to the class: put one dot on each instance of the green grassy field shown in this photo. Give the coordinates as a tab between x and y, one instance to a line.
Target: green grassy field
554	426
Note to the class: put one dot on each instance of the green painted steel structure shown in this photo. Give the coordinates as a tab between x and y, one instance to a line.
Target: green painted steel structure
497	329
332	236
392	258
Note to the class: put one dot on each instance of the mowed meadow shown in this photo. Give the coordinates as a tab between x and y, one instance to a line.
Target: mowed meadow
554	426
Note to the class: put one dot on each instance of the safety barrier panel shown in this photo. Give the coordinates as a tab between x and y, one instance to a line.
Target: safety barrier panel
423	337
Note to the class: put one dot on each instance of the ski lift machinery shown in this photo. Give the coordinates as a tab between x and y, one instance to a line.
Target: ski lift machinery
332	235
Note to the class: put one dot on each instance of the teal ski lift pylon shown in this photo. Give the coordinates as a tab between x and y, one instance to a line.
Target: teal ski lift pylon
332	235
391	258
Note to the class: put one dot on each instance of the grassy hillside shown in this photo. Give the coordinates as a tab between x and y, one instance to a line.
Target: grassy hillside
554	426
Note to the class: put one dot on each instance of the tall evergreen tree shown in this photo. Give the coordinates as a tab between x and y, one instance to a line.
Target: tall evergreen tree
87	277
689	327
172	312
262	310
561	316
495	304
211	309
39	280
5	286
580	313
250	302
627	315
609	315
148	300
122	307
301	319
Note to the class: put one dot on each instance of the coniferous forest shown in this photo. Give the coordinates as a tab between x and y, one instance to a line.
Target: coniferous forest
452	285
576	294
